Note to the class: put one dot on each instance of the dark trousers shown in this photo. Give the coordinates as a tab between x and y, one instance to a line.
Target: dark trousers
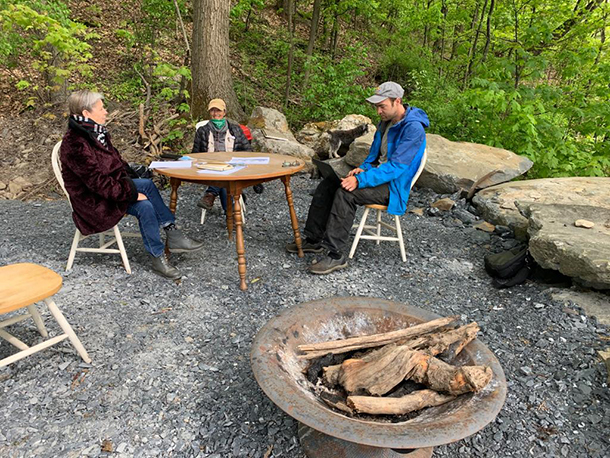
332	211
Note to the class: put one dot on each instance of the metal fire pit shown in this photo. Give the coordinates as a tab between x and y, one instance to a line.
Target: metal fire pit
279	373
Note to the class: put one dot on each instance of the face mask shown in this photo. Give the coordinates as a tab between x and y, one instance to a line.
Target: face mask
219	123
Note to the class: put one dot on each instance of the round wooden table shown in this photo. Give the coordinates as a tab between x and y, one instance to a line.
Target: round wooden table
234	183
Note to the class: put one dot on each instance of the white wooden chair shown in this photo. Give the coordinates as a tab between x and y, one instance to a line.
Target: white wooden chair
241	198
104	246
373	232
21	286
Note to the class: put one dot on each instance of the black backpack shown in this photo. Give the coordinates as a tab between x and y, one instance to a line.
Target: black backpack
509	268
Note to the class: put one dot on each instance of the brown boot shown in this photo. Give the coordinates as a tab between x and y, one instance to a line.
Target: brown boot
207	201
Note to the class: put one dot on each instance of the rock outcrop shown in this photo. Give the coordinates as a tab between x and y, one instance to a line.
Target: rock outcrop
316	134
452	166
497	204
555	242
267	122
359	149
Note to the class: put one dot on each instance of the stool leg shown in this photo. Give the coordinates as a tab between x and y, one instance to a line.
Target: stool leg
102	239
73	249
378	226
359	232
13	340
401	242
65	326
37	320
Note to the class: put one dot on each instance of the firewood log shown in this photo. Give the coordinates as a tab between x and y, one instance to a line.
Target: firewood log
397	406
380	376
376	340
433	344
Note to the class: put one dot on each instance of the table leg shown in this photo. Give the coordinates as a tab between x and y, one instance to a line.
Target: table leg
293	215
173	202
173	197
239	242
230	216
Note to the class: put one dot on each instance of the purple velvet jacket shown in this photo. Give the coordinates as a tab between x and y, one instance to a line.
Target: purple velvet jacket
96	180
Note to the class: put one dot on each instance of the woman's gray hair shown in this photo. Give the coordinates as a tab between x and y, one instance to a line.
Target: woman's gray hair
83	100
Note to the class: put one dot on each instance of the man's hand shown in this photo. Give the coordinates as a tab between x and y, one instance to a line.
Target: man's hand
142	196
355	171
349	183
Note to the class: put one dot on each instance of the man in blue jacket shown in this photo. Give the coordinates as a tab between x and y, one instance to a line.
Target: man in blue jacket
384	178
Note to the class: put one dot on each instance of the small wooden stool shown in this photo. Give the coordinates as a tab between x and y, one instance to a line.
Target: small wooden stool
22	285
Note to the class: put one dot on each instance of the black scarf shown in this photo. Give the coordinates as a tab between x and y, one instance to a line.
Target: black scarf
97	131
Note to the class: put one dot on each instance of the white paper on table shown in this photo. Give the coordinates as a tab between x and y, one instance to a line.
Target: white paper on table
170	165
249	160
222	172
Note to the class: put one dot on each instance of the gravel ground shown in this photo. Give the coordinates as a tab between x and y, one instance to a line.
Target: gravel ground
171	373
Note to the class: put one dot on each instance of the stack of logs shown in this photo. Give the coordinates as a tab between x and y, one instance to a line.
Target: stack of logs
365	377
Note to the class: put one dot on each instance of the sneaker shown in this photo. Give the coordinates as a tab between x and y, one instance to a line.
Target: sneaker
258	188
207	201
306	246
177	242
161	266
328	265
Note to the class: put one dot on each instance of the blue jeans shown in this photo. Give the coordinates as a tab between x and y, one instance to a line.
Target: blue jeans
222	192
151	214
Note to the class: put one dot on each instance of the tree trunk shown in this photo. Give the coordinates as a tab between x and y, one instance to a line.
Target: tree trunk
210	65
488	40
313	31
473	47
290	51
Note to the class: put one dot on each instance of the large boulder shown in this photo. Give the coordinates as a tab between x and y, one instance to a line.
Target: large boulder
557	241
359	149
452	166
497	204
317	134
270	133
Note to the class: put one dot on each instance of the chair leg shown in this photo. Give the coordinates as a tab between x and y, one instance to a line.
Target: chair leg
359	232
119	242
37	320
65	326
102	239
202	215
378	226
243	209
75	241
401	242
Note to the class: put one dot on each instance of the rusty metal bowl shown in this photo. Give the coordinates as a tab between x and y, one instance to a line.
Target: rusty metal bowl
279	373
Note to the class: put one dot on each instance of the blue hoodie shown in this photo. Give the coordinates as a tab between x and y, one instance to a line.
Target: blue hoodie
406	145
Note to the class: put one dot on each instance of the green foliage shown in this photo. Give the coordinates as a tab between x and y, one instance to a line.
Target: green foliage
332	91
48	51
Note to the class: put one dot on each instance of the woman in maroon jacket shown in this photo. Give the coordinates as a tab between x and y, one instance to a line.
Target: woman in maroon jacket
101	190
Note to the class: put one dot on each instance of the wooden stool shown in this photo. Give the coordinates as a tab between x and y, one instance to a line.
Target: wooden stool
22	285
374	232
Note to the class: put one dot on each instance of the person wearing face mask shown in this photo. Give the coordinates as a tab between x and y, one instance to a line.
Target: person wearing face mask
103	188
219	135
384	178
